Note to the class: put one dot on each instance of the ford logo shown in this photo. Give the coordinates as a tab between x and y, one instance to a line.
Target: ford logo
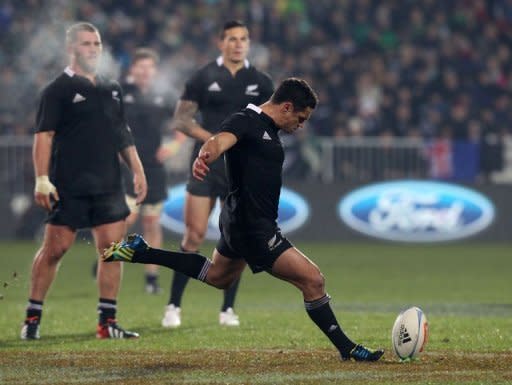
293	212
416	211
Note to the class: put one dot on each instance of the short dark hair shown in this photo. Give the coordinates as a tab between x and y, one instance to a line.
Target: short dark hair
145	53
73	30
231	24
296	91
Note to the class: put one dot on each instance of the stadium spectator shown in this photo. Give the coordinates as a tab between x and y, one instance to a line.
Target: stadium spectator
435	52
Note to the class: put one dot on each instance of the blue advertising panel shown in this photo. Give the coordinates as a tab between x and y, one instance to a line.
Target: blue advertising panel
416	211
403	211
292	215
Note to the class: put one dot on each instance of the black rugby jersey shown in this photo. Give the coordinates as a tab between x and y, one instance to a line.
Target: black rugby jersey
90	130
146	114
219	94
254	169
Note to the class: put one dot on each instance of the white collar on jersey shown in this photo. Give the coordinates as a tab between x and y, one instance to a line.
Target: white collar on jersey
220	61
68	71
251	106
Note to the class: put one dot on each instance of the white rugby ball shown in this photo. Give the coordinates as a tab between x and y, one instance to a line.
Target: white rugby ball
410	333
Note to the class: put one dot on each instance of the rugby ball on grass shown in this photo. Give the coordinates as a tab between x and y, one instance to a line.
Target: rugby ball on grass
410	333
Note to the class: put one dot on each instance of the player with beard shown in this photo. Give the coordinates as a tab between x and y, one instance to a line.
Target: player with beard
80	133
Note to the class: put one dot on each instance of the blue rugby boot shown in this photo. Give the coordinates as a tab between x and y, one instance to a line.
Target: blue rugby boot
360	353
123	251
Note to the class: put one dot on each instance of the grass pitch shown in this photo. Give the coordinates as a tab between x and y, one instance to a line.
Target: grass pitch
464	289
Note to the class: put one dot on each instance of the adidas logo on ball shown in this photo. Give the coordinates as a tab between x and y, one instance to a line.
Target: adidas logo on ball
404	336
410	333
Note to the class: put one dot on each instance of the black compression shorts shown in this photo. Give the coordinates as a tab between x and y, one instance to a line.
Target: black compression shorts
88	211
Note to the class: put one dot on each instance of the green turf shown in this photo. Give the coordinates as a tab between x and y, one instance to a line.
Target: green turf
464	289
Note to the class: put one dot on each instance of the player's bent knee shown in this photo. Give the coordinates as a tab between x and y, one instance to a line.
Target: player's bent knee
315	284
219	281
194	237
52	255
151	222
318	281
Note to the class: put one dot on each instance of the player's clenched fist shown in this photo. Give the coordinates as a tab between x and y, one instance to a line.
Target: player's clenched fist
200	167
43	190
140	186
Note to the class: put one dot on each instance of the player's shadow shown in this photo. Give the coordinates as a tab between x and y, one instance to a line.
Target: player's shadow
60	339
50	339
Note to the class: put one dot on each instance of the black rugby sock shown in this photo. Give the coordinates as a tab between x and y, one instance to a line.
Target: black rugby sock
321	313
179	282
151	278
34	309
191	264
107	309
229	296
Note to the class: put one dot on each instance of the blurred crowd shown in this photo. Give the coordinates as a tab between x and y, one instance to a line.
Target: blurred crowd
439	70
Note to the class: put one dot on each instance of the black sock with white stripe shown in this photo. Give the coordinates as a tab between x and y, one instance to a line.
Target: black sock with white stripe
34	310
179	283
321	313
191	264
107	309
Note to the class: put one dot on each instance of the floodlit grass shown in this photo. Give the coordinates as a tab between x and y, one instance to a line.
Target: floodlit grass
464	289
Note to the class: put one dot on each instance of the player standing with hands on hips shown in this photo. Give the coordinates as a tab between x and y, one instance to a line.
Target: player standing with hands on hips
217	90
80	132
249	233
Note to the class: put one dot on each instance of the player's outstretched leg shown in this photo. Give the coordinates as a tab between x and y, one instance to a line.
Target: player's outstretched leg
296	268
136	250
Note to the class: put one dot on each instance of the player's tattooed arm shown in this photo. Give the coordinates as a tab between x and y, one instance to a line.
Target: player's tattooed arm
184	121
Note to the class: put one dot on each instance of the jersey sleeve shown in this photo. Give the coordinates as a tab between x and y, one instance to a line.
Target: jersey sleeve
193	89
49	110
235	124
124	131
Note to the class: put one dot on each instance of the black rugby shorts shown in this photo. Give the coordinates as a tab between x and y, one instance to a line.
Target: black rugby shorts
214	185
260	249
157	184
88	211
